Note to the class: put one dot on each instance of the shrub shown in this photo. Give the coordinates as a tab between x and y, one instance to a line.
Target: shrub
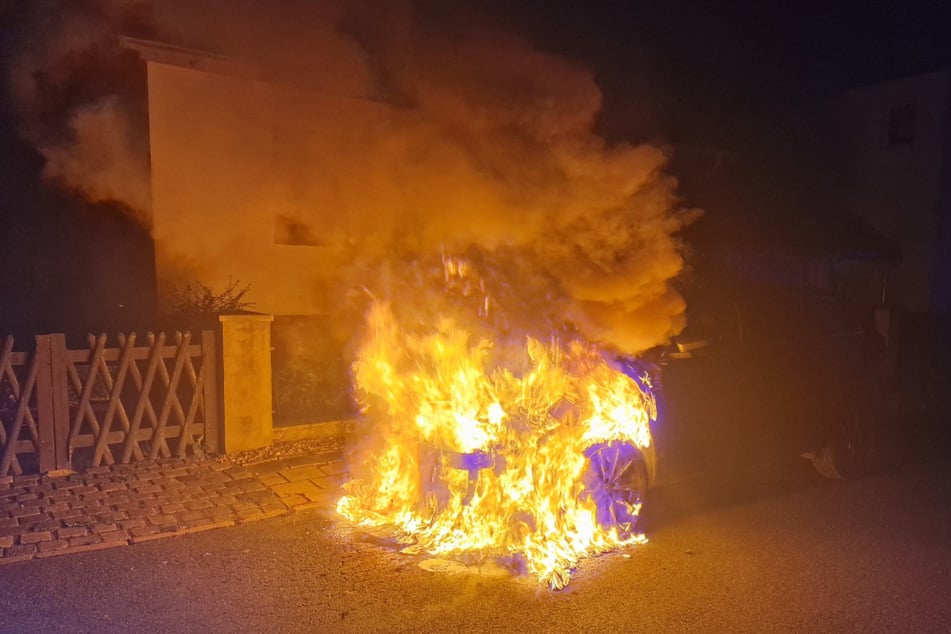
197	299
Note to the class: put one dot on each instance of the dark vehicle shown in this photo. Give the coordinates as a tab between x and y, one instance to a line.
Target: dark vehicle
765	375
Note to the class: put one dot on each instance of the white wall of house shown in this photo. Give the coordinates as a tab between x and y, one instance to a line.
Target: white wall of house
247	180
891	150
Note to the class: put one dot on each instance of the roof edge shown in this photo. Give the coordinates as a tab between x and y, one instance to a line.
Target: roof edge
206	61
172	55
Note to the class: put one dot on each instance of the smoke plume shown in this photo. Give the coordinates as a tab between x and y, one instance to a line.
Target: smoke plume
486	151
81	98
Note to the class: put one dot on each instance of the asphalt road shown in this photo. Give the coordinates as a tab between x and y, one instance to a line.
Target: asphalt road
807	555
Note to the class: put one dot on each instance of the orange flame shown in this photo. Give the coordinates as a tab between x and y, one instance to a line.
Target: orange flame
482	447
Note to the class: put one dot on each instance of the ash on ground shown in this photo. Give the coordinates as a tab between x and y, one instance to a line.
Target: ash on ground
331	447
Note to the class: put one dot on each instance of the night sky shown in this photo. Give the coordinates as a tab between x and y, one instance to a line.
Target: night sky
790	50
733	50
734	58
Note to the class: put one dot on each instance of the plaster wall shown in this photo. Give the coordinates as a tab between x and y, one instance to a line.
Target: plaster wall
248	180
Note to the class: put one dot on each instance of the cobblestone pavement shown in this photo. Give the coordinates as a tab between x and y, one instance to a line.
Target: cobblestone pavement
104	507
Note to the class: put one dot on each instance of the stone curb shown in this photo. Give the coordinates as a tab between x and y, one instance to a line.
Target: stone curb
109	507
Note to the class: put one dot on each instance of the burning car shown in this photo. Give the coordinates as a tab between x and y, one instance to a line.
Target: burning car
482	440
532	452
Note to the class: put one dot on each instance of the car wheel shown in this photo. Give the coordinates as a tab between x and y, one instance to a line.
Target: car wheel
616	479
856	417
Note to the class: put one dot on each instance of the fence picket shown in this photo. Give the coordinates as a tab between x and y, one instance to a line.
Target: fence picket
9	461
59	391
144	406
23	414
6	371
84	411
186	437
209	400
171	398
115	394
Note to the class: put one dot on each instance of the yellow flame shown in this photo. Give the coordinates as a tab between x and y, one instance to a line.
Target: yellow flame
470	456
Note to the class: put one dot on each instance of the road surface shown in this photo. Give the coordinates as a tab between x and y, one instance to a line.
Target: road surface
812	555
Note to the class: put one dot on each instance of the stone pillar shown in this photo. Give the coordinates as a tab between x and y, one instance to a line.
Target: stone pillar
246	381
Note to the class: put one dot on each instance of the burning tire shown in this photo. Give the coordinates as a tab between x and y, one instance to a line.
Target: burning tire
617	479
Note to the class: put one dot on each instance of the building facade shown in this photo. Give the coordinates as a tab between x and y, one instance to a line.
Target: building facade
891	167
250	174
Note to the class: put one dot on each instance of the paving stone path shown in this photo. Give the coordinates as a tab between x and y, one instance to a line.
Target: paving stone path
104	507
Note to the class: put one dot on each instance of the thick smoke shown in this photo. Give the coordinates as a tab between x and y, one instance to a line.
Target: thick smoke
500	156
488	151
81	98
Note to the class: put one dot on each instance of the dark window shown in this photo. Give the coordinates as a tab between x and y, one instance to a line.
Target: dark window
900	126
292	231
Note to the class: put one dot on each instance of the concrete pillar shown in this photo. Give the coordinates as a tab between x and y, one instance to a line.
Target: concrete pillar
246	381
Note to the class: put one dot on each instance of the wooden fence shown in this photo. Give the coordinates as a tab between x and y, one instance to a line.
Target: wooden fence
64	409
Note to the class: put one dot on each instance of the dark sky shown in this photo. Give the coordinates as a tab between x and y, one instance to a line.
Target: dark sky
712	72
787	49
732	54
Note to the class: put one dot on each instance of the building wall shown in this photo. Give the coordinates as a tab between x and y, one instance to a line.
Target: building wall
247	182
889	143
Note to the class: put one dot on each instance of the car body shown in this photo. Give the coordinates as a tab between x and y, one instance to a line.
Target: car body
763	373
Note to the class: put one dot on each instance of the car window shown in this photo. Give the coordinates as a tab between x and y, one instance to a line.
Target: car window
714	322
776	317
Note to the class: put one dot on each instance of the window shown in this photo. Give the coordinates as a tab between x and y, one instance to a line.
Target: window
291	231
900	126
